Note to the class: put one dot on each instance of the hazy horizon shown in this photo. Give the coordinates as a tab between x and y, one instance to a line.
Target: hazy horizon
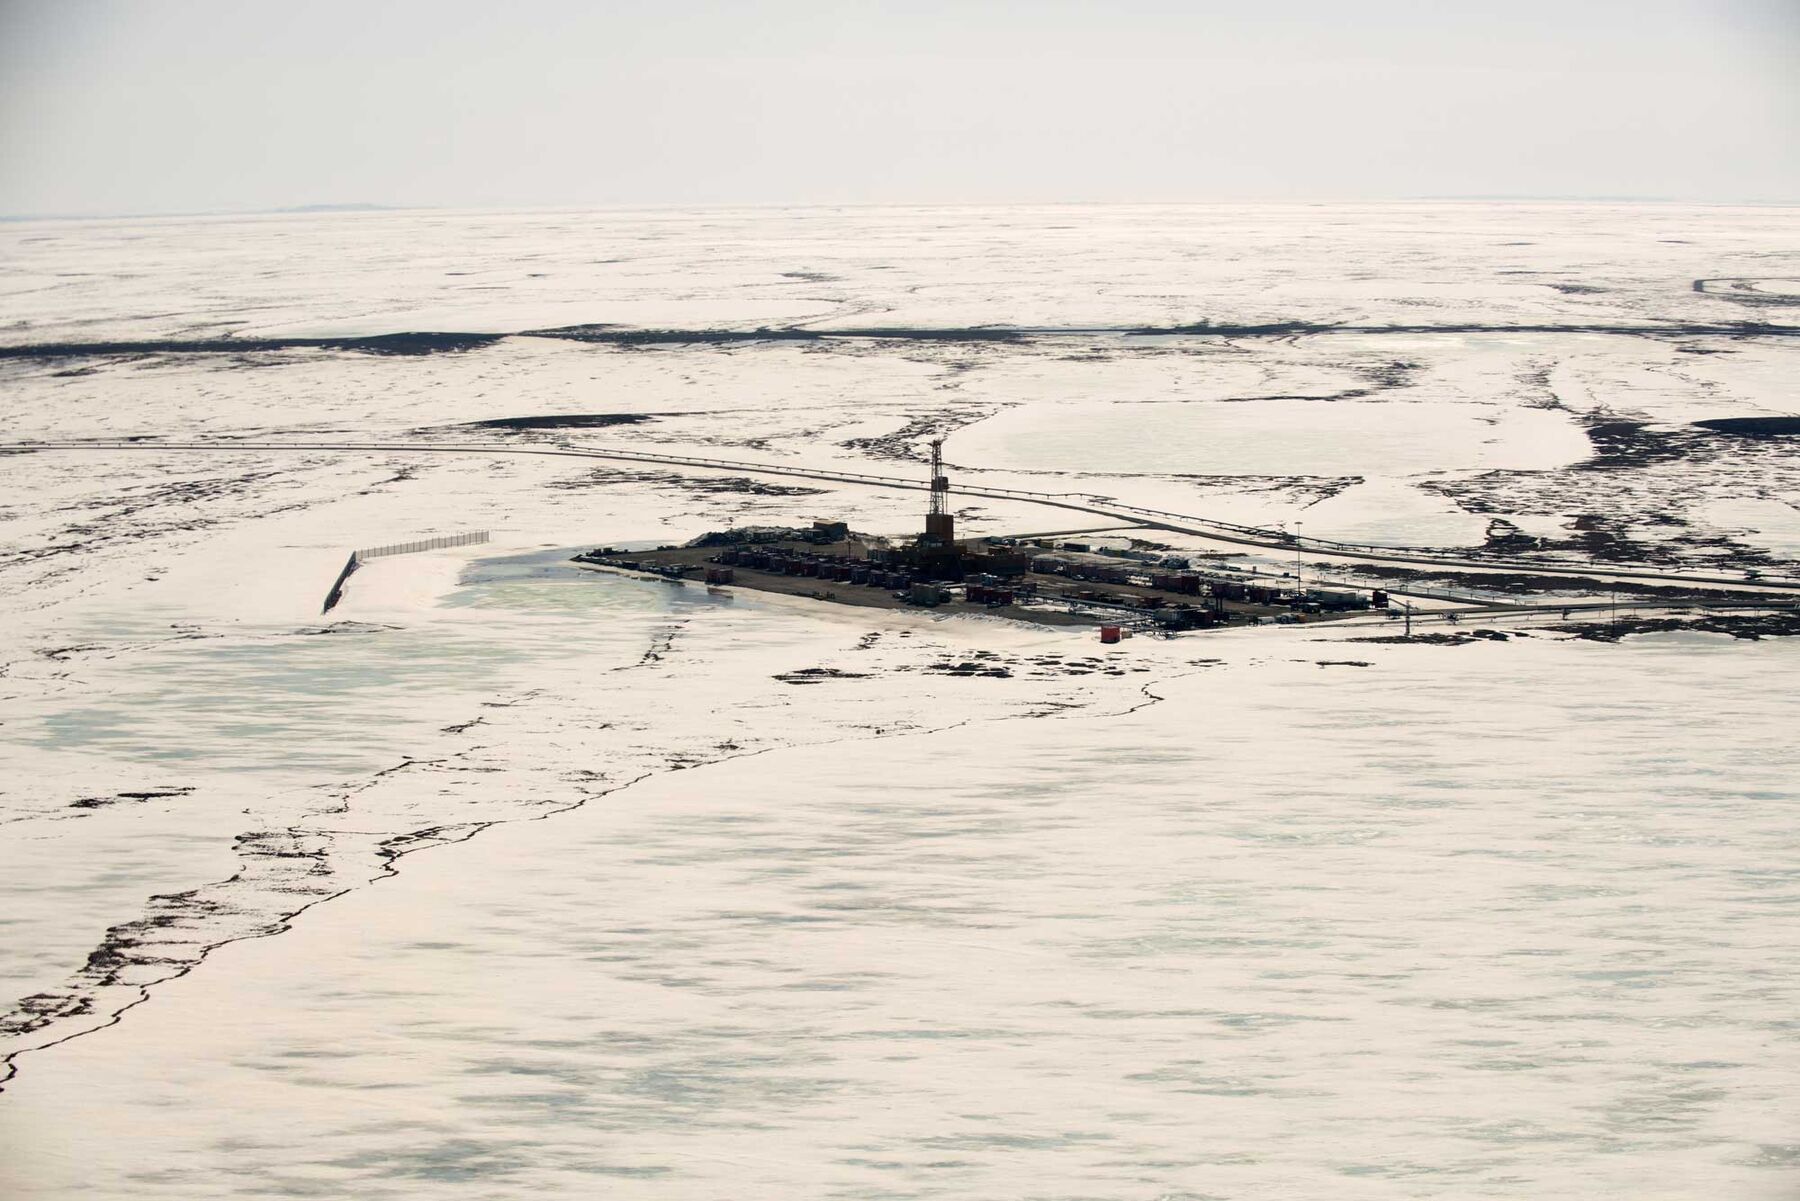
113	109
329	208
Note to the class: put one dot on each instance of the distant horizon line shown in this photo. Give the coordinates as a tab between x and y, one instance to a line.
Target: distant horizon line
356	207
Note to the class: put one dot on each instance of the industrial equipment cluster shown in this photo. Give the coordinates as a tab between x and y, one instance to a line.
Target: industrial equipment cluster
1029	579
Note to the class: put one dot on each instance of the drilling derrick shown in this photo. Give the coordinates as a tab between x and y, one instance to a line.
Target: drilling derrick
940	526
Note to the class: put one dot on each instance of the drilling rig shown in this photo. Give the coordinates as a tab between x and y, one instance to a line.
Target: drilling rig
940	526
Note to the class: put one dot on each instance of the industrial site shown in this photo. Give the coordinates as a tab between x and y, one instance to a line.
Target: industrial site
1045	579
1136	585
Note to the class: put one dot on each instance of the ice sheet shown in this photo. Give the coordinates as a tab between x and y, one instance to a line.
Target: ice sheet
510	877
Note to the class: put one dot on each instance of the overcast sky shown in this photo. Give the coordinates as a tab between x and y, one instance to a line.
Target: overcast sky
132	106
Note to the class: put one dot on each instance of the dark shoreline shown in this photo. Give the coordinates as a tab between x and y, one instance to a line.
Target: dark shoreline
427	342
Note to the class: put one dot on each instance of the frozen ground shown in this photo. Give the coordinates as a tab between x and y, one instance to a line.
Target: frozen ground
363	273
512	877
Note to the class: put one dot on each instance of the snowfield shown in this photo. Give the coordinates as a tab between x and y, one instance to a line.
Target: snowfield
509	876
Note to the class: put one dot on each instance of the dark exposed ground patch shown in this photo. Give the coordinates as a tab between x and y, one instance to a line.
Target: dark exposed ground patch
1505	538
1605	539
902	444
422	343
993	665
1745	626
1753	427
563	421
1748	626
345	627
148	794
1631	501
1622	444
1524	583
1377	378
1453	638
1302	328
1602	538
818	675
393	344
971	668
725	337
1633	494
602	477
1288	329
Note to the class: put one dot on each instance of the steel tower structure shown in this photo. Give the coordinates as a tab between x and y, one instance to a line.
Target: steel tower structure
940	526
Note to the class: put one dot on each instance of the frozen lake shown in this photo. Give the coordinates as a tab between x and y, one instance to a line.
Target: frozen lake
1274	437
1530	947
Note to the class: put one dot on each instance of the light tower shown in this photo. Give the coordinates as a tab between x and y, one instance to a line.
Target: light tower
940	526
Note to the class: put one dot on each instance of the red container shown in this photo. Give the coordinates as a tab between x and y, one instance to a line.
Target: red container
1109	633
